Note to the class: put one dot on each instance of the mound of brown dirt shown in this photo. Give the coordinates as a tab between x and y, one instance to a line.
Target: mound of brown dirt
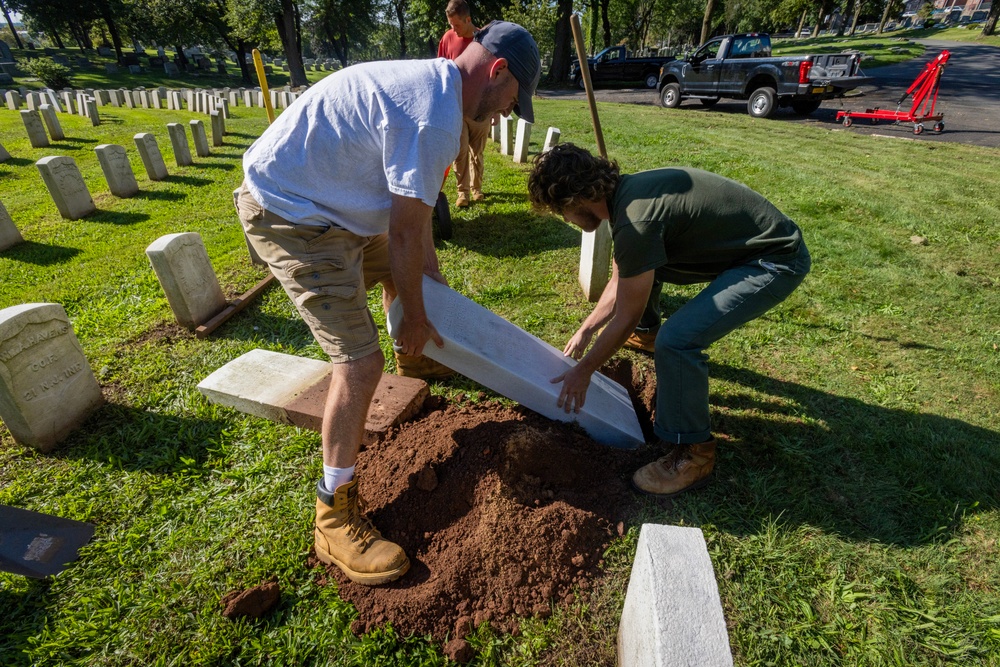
502	512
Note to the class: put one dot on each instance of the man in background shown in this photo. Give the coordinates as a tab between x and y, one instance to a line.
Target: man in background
469	163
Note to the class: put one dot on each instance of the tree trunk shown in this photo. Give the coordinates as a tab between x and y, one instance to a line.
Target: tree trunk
991	21
285	23
10	24
242	51
559	71
595	15
802	22
182	61
857	15
606	23
819	19
54	34
116	37
885	16
706	22
400	7
848	8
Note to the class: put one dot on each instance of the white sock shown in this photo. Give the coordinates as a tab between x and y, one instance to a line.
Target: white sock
334	477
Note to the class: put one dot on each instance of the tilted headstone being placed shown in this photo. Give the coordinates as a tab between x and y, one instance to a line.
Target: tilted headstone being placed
200	138
490	350
66	187
9	234
152	160
523	140
506	135
181	264
117	170
47	388
48	113
179	142
551	139
36	130
217	128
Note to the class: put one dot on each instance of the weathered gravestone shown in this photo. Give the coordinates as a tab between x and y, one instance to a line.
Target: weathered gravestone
68	101
218	128
95	118
181	264
551	139
200	138
52	99
66	187
52	122
9	234
47	388
35	129
13	99
117	170
33	101
506	135
171	69
152	160
179	142
523	141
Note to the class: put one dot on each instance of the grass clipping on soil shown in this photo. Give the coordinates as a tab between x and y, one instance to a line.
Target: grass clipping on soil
502	512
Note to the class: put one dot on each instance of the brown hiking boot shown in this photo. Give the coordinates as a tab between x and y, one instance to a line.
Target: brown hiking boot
642	341
420	366
462	201
346	538
686	468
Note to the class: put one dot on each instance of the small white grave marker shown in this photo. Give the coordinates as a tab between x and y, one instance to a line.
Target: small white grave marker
181	263
523	140
9	234
36	130
179	142
200	138
51	122
117	170
551	139
69	192
506	135
152	160
217	128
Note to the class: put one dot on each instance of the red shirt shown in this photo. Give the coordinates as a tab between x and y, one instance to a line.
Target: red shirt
452	45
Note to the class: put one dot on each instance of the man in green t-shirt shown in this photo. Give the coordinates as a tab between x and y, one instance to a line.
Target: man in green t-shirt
682	226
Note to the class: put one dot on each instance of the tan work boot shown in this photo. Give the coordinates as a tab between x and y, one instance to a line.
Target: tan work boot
420	366
462	201
642	341
686	468
477	195
346	538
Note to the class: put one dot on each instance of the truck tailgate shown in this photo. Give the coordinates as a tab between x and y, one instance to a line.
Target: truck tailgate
834	65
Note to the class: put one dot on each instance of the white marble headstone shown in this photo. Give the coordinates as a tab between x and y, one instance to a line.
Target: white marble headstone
179	142
523	140
66	187
490	350
185	272
551	139
506	135
48	113
200	138
152	159
9	234
117	170
36	130
47	388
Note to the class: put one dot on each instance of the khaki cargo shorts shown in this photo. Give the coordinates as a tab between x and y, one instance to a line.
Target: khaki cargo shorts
326	272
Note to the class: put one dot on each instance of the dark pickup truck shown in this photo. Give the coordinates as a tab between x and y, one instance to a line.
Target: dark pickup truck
615	65
741	67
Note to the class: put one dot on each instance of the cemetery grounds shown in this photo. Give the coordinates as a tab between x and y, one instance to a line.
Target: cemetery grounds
853	518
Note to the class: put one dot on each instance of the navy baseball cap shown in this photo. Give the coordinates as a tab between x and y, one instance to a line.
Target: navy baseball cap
516	45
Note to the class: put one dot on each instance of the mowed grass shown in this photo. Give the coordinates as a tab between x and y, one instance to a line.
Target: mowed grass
853	518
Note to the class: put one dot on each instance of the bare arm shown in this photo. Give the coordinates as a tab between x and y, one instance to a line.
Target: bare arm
409	229
598	317
629	301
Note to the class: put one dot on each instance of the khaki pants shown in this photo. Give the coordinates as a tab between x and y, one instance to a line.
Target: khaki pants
469	163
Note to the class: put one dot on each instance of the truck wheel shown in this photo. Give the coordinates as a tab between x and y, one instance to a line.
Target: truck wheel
670	96
805	107
652	79
761	103
579	83
709	102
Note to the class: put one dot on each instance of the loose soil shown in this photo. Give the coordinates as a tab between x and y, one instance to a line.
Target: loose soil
503	513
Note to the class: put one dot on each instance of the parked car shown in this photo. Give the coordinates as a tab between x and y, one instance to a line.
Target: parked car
615	65
741	67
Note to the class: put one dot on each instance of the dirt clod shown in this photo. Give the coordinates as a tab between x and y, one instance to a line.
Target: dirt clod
252	602
459	651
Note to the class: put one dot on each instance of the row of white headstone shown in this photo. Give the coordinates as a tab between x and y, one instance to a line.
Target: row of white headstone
517	145
69	191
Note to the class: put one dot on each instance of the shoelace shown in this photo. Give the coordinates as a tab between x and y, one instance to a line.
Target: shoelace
361	526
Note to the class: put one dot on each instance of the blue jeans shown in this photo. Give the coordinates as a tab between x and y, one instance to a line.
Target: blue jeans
735	297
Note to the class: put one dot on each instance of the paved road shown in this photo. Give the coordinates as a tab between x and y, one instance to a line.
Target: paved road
969	97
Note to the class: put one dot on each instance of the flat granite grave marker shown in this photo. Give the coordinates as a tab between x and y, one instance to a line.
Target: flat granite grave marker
48	113
200	138
523	140
66	187
36	130
9	234
181	264
179	142
117	170
490	350
672	615
152	159
47	388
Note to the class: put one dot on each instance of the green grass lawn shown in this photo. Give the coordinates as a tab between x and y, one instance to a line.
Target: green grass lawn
853	519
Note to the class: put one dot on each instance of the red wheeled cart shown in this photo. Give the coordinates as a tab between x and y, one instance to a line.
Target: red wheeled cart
924	90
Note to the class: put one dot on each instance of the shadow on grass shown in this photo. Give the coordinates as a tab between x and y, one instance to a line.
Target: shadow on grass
159	195
17	162
862	471
26	612
188	180
213	165
117	217
40	254
516	234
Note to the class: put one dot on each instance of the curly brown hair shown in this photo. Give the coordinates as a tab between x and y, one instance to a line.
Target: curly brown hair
568	175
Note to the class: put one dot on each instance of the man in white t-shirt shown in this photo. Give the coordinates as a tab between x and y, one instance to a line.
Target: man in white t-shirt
337	197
